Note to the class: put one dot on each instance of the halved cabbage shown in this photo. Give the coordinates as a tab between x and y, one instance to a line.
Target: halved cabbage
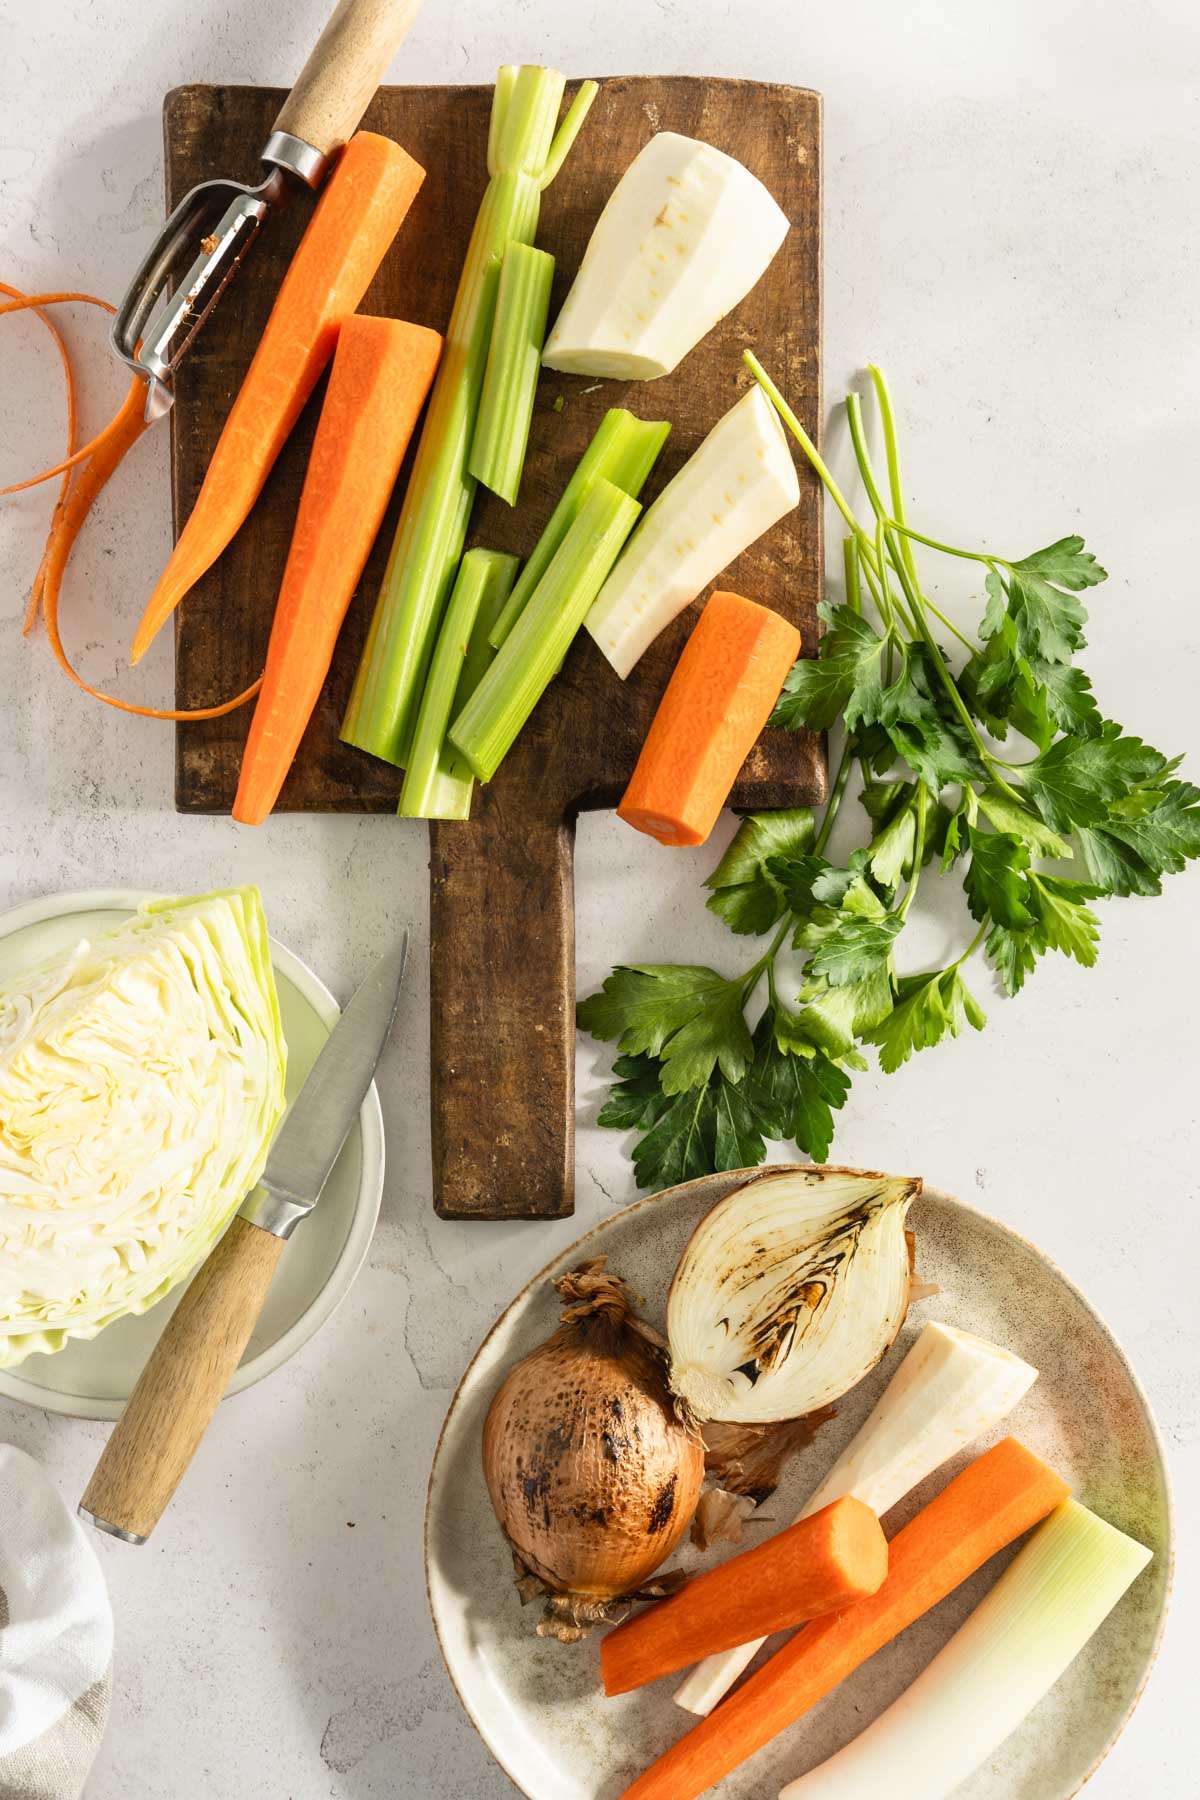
141	1082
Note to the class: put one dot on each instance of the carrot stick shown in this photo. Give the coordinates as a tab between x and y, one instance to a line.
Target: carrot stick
821	1564
347	238
382	371
94	464
717	701
993	1501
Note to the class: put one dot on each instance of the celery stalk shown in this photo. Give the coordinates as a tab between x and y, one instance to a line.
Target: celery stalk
510	379
438	784
623	450
1057	1591
524	154
535	647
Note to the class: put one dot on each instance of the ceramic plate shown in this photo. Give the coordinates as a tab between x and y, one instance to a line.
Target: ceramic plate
537	1703
93	1379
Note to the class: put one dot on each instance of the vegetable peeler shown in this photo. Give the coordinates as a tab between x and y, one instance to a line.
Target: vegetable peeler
199	249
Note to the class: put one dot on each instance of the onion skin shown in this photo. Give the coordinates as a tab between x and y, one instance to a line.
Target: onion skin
591	1475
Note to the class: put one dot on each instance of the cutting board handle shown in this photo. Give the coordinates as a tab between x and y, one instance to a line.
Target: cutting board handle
502	1017
347	64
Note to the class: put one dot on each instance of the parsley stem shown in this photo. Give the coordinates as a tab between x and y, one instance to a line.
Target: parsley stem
917	604
802	438
973	946
853	576
970	648
946	549
918	851
887	418
844	767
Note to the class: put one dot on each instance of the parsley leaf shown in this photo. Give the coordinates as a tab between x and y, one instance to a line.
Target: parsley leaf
1049	621
636	1100
690	1017
937	750
1128	855
1065	923
928	1008
681	1145
798	1094
719	1034
745	893
846	670
1065	562
855	948
995	882
738	1126
1013	955
1006	815
1073	782
1066	694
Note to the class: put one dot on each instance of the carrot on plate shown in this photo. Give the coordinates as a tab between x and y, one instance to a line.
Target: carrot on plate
994	1500
819	1565
348	236
382	371
717	701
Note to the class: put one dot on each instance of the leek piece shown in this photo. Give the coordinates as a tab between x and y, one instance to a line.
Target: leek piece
438	783
1053	1596
510	379
534	649
623	450
524	155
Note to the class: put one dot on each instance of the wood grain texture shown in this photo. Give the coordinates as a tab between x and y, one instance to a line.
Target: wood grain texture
348	62
502	925
181	1386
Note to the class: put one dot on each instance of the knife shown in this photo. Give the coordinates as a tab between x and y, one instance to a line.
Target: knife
180	1387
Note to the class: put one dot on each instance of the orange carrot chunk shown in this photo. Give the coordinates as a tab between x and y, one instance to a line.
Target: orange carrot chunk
347	238
997	1498
819	1565
717	701
382	371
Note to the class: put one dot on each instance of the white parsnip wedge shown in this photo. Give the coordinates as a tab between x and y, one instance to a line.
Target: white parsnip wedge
1052	1597
950	1389
685	235
739	483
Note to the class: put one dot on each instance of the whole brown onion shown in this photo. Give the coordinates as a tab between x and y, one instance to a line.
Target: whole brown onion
590	1472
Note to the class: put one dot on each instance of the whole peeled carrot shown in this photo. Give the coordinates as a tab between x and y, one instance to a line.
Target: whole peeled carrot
1000	1495
382	371
347	238
819	1565
717	701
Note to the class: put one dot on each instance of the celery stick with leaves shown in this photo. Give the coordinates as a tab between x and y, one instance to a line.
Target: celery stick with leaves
993	764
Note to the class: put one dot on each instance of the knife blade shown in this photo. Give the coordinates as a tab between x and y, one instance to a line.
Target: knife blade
189	1369
310	1139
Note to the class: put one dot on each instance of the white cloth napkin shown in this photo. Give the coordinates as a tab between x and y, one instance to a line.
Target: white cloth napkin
56	1638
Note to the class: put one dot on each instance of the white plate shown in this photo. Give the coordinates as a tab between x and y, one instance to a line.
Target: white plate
93	1379
538	1704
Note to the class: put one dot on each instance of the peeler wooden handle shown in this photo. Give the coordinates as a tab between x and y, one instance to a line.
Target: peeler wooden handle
346	66
181	1386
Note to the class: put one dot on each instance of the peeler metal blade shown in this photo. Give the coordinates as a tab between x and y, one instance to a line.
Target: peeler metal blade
193	259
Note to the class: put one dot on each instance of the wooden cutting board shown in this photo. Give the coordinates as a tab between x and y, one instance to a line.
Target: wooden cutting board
502	925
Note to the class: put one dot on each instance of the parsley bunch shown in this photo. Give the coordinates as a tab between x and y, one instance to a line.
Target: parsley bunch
706	1086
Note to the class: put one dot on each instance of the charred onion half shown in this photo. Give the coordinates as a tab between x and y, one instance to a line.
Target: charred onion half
788	1293
591	1474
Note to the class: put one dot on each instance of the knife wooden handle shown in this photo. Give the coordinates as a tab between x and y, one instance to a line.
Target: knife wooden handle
349	61
181	1386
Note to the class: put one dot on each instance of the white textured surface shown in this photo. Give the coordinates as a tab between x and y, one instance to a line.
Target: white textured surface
1010	228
